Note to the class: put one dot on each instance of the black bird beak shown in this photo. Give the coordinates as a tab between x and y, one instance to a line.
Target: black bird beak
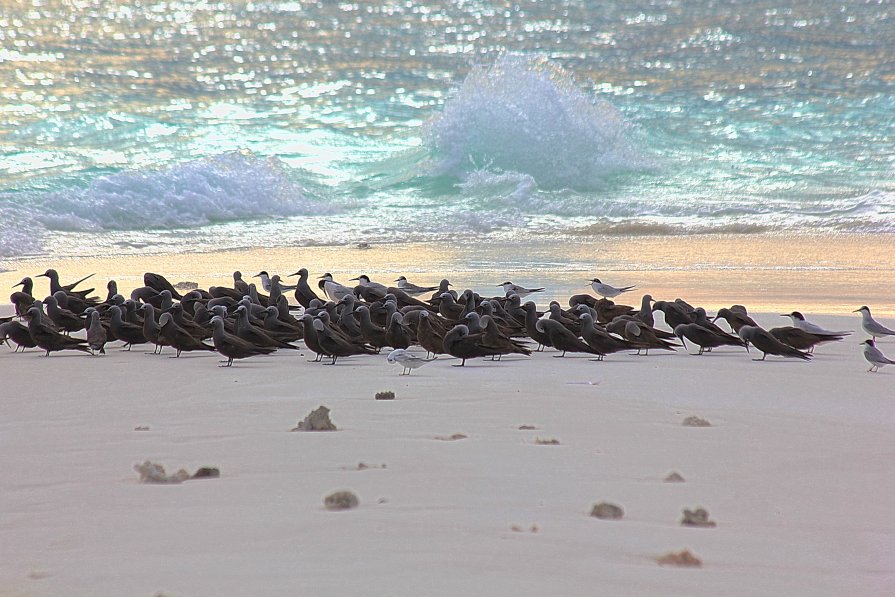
41	276
19	284
291	275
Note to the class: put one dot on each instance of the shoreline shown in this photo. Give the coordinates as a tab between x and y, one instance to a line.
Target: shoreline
829	274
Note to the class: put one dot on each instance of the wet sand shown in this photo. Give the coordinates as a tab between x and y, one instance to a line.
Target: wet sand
774	273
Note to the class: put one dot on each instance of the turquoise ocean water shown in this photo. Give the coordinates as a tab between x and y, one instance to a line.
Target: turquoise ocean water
193	126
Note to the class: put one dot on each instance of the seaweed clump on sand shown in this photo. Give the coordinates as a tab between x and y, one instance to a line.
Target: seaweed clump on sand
341	500
696	422
151	472
607	511
682	559
697	518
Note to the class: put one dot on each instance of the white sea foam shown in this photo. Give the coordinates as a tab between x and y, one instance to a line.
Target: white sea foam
231	186
527	115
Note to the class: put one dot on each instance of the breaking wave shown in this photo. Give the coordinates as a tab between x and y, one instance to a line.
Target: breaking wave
527	115
227	187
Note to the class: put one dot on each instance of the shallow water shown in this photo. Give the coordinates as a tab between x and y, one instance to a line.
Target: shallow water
164	127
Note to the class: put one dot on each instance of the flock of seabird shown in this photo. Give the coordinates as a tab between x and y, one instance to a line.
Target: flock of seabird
336	321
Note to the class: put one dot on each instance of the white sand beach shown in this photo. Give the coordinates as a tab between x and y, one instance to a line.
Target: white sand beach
794	469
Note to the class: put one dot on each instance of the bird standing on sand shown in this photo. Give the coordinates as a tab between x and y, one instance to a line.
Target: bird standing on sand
798	338
55	286
129	333
96	334
178	338
562	339
18	333
599	339
768	344
875	356
304	294
23	299
49	339
407	360
232	346
872	326
364	280
705	338
459	343
159	283
799	321
735	318
520	291
607	291
266	282
333	290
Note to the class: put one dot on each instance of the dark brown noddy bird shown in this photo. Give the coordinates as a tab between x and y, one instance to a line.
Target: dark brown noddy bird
607	310
336	345
705	338
178	338
180	318
801	339
152	331
600	340
75	304
129	333
643	337
646	311
458	342
735	318
449	308
304	294
256	335
287	331
674	313
430	334
531	327
24	298
768	344
49	339
65	320
233	347
493	337
561	338
372	334
159	283
55	286
96	334
18	333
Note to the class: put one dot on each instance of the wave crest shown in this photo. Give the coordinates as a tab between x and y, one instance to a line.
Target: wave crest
527	115
226	187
